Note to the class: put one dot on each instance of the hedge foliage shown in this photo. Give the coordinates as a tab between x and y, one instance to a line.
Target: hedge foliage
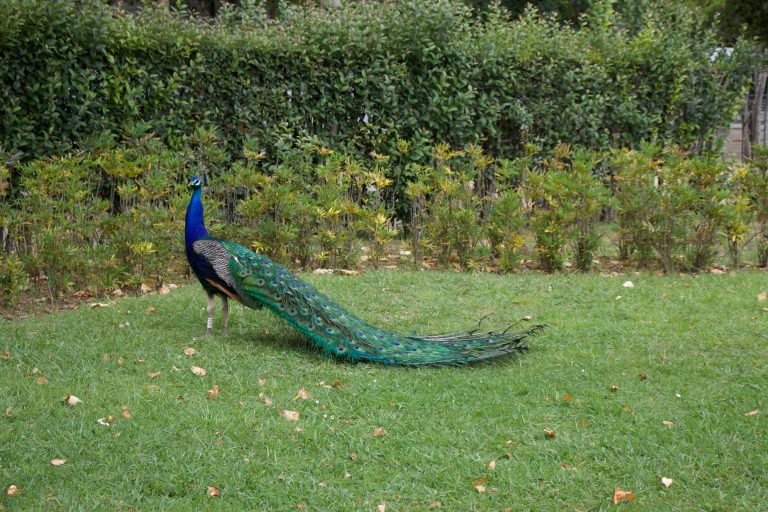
362	77
113	217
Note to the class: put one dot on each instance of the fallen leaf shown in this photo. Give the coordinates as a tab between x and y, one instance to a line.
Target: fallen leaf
289	415
627	409
13	490
103	422
509	455
435	504
42	380
35	371
264	399
337	384
213	491
382	507
6	355
58	462
761	296
480	488
643	377
628	284
117	292
120	361
145	289
567	398
99	305
619	496
347	475
71	400
163	290
667	423
189	351
613	388
302	394
492	465
153	388
618	297
262	382
200	372
172	286
151	309
752	413
126	413
480	481
213	393
666	481
8	412
322	484
301	506
321	271
379	432
550	433
527	318
153	375
353	455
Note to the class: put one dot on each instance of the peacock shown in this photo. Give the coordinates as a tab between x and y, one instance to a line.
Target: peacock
231	271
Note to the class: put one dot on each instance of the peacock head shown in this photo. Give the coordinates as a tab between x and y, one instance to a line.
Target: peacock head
195	182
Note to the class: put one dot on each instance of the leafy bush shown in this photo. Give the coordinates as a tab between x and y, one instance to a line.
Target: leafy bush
366	76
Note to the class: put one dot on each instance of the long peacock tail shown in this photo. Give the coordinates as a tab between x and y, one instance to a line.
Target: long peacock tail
261	282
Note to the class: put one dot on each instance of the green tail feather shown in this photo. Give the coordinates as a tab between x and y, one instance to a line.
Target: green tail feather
260	281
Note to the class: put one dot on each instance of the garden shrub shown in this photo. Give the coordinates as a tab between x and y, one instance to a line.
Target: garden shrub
364	77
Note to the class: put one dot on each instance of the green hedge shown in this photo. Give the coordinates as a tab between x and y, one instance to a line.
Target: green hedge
361	78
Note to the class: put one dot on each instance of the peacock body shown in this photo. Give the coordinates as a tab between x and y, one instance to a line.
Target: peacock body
229	270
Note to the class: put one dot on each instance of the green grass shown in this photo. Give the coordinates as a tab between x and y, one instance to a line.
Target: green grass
701	342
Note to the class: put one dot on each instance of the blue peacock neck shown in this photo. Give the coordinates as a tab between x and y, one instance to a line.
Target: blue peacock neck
194	227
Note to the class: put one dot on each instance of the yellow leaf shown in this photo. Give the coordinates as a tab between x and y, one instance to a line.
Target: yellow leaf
382	507
353	455
302	394
480	488
289	415
761	296
492	465
189	351
752	413
213	491
13	490
619	496
200	372
666	481
71	400
379	432
99	305
435	504
567	397
58	462
262	382
153	375
667	423
550	433
42	380
213	393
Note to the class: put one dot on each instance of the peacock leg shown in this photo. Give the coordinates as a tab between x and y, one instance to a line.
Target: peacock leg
225	311
211	307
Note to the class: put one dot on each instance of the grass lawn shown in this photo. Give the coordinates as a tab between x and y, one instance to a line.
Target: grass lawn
605	377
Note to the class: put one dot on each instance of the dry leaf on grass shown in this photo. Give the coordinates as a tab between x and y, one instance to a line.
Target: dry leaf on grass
289	415
200	372
492	465
151	309
667	423
550	433
72	400
752	413
163	290
189	351
353	455
527	318
6	355
213	393
302	394
761	296
379	432
213	491
628	284
382	507
13	490
145	289
435	504
264	399
58	462
126	413
480	488
153	375
666	481
42	380
262	382
619	496
99	305
347	474
567	398
337	384
153	388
